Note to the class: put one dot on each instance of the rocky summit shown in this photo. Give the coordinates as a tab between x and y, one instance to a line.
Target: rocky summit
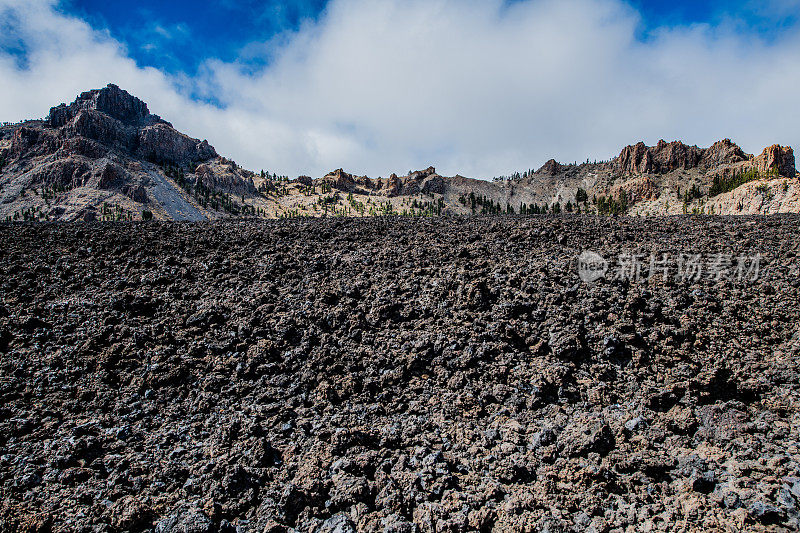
401	375
106	157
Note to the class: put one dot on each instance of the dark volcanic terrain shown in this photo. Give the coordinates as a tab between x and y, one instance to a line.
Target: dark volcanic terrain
396	375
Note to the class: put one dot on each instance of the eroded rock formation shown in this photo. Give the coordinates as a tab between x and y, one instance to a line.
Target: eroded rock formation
106	148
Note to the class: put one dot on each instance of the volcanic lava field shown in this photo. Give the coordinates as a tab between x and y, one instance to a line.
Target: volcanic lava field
431	375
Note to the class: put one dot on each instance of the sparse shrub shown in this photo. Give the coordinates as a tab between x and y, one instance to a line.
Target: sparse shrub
765	191
147	215
692	194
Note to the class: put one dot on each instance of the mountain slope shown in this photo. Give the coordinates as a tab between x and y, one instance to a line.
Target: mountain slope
105	156
672	178
669	178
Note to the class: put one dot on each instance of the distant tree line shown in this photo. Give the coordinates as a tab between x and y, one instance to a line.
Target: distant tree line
479	204
487	205
610	205
722	184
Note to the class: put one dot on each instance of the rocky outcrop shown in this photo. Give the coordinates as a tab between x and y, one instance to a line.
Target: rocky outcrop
634	159
434	185
122	122
422	174
638	189
137	193
111	175
724	152
551	168
346	182
664	157
82	146
393	186
421	182
67	172
777	159
667	157
409	188
111	101
341	180
104	129
28	142
162	144
226	177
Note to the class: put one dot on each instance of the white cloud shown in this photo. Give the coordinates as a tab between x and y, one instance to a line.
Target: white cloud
470	86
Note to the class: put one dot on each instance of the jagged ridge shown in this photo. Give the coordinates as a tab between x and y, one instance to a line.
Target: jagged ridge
106	148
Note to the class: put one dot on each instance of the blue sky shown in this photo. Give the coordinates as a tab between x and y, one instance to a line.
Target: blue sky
180	35
475	87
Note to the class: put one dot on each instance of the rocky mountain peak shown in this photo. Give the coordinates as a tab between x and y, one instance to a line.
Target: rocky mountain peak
112	101
551	168
420	174
106	148
115	119
339	179
338	173
724	152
